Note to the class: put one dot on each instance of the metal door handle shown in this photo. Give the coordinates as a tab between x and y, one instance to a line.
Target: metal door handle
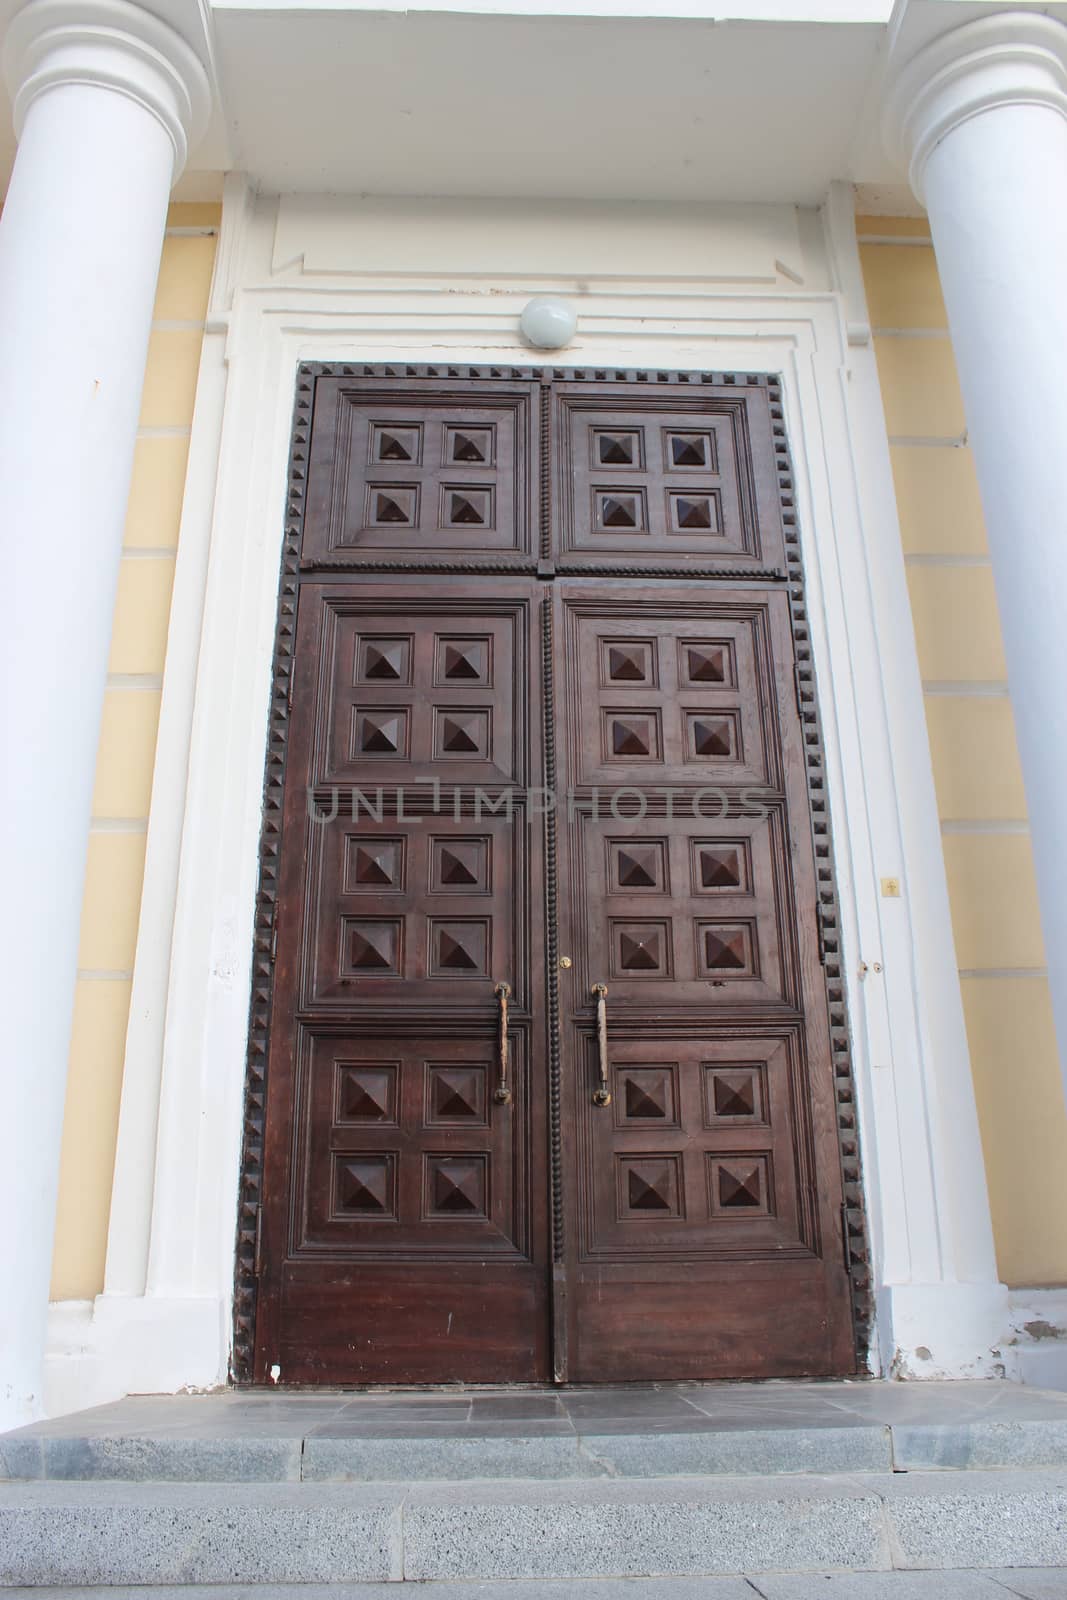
502	1092
602	1094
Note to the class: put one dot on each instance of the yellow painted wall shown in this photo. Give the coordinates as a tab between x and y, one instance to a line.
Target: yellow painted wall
976	763
126	754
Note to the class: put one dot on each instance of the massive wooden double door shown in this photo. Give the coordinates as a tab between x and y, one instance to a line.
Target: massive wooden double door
550	1089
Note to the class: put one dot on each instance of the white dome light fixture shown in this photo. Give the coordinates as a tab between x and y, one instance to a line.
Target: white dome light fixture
548	323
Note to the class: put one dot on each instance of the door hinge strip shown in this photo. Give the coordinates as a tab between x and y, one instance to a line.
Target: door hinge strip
257	1258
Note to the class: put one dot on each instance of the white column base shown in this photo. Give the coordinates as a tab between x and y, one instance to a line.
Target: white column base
102	1350
945	1330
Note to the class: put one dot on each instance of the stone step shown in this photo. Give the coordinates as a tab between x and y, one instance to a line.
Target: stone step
513	1453
694	1431
152	1533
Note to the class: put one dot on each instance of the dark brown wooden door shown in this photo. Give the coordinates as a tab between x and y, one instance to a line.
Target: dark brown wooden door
561	746
703	1200
405	1219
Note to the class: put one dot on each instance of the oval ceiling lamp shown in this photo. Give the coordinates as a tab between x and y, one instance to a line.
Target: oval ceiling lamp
548	323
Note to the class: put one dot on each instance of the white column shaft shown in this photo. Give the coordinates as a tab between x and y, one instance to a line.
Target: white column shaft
80	243
996	190
101	114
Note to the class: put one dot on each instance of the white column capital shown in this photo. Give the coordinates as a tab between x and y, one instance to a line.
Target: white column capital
113	45
1011	58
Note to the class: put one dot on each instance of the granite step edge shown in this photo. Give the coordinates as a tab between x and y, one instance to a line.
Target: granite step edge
395	1455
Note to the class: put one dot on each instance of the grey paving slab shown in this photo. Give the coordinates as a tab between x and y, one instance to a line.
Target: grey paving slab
752	1451
628	1403
90	1533
948	1402
1033	1583
505	1407
620	1530
359	1415
876	1586
373	1458
391	1428
1021	1442
978	1519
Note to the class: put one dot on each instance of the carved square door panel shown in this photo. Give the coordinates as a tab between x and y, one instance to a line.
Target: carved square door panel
446	472
413	689
424	909
699	1155
548	1070
664	479
676	690
403	1148
684	911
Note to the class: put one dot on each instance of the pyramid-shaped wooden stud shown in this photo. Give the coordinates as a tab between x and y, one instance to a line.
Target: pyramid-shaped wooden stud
384	661
459	735
640	1102
626	665
618	513
390	510
711	738
455	1188
374	865
463	661
706	665
455	954
637	868
390	448
734	1097
719	869
724	951
465	511
456	868
364	1187
381	735
695	514
688	452
466	447
739	1188
452	1095
629	738
367	952
646	1194
616	449
361	1100
639	952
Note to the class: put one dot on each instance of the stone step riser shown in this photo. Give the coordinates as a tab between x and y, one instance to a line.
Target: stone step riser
368	1457
302	1533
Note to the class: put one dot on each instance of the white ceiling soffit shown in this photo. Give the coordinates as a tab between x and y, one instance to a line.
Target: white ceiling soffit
534	106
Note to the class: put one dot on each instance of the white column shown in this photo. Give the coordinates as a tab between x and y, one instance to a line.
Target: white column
981	114
106	97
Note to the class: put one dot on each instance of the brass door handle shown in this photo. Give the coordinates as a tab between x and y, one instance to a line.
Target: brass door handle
602	1094
502	1092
